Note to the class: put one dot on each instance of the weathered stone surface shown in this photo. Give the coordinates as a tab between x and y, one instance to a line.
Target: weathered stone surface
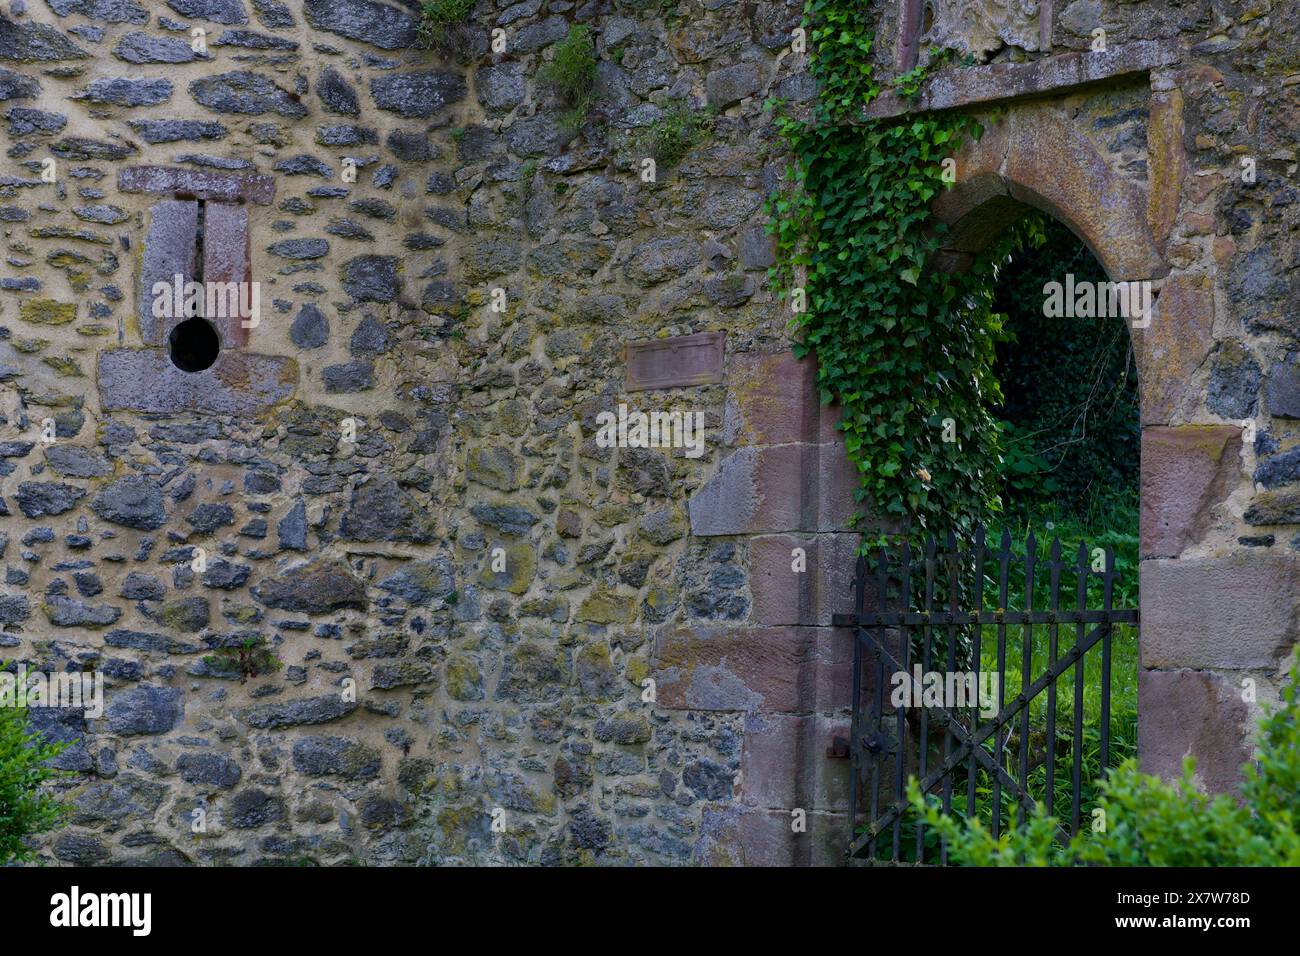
244	91
378	24
316	587
218	11
134	501
210	769
24	122
105	11
1193	713
238	383
1283	390
36	499
74	461
322	756
1176	343
16	86
138	47
421	582
1234	382
373	278
1186	473
69	612
731	84
381	510
199	183
420	94
310	329
296	713
31	42
253	808
144	710
123	91
1274	507
1248	598
336	94
1279	469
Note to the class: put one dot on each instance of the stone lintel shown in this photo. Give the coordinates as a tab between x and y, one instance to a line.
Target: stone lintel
145	380
197	184
956	87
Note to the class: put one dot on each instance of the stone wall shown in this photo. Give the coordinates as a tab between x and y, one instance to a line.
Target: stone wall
399	491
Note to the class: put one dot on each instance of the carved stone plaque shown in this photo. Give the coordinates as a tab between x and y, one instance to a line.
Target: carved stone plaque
981	27
672	363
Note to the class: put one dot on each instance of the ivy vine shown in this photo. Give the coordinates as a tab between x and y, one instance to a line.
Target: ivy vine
902	345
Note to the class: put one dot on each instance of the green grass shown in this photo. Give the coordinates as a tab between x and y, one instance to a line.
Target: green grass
677	131
438	18
571	73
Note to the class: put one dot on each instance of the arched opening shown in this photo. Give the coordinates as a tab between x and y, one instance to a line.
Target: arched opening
1062	691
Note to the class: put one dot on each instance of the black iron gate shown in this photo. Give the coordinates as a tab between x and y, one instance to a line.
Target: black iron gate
950	724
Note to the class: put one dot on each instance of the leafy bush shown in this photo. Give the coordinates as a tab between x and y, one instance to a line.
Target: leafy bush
1146	821
24	768
439	20
572	74
674	134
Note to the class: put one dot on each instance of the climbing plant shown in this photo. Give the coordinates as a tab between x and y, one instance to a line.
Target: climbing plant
904	347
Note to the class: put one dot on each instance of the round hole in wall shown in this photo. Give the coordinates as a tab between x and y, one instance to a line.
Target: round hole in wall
194	345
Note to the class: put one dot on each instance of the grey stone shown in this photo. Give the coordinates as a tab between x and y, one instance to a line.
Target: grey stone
143	587
369	338
318	587
355	376
321	756
378	24
24	121
252	40
508	519
310	328
411	146
541	34
218	11
39	498
243	91
123	91
144	710
102	213
1233	389
296	713
372	278
15	86
117	801
273	14
345	135
81	148
708	780
14	609
538	135
300	248
291	530
239	383
666	257
1279	469
336	94
304	164
731	84
419	583
69	612
419	94
171	131
226	576
1283	389
381	511
105	11
134	501
253	808
214	770
144	641
74	461
139	47
29	42
501	87
207	518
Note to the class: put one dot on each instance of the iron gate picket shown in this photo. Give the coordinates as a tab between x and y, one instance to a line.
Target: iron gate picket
932	599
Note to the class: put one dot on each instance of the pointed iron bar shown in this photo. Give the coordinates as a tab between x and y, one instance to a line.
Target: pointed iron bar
1026	666
1052	635
905	647
976	663
927	632
952	669
1076	744
1004	561
1105	663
